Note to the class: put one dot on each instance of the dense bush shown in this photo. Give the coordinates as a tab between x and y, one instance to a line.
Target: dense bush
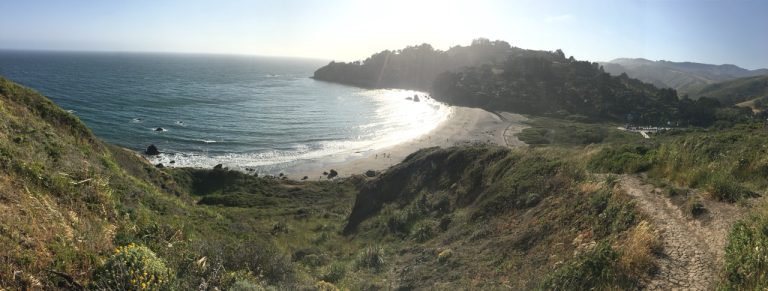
335	272
424	230
746	256
594	269
611	214
622	159
694	207
725	189
133	267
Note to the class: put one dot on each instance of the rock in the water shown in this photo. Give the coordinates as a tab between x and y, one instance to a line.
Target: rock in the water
416	98
370	173
280	175
152	150
332	174
159	129
325	173
305	177
159	166
218	167
408	98
172	162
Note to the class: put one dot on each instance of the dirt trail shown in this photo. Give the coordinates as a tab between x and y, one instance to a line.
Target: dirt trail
693	248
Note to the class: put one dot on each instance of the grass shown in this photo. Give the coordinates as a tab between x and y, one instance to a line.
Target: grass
551	131
622	159
471	217
746	263
68	200
728	164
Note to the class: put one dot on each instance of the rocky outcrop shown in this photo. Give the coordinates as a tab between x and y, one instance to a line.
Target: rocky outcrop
152	150
332	174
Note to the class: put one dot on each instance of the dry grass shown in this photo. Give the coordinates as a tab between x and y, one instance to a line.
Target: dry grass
637	256
589	187
50	235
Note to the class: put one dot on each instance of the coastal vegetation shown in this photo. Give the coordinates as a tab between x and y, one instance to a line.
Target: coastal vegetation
414	67
77	213
500	77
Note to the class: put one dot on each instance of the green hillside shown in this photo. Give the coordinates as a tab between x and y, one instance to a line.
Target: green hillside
79	213
738	91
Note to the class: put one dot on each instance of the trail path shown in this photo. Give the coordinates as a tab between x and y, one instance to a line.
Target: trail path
693	248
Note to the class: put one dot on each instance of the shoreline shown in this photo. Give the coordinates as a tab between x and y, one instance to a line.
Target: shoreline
463	126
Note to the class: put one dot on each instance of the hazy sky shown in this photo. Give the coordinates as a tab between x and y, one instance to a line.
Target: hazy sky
728	31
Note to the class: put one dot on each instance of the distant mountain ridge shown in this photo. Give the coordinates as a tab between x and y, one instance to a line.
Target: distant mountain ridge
685	77
736	91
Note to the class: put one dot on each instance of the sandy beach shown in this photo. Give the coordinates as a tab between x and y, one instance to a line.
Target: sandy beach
464	125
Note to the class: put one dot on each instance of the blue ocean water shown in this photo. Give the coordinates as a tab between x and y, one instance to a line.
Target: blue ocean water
242	111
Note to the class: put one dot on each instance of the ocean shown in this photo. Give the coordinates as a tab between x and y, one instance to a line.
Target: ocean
240	111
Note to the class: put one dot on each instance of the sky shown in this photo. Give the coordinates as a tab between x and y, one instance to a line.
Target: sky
707	31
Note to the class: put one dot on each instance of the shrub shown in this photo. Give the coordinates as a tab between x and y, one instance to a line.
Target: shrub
595	269
133	267
533	136
611	213
694	207
335	272
672	191
371	257
727	190
424	231
325	286
746	259
245	285
619	160
444	256
279	227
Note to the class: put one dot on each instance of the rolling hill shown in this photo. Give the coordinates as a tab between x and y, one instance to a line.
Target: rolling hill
77	213
685	77
496	76
749	89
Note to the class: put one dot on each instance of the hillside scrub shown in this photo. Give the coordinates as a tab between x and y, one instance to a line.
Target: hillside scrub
552	131
440	219
67	200
490	211
729	164
746	263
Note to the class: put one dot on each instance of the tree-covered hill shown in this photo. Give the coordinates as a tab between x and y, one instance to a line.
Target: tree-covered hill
414	67
496	76
550	84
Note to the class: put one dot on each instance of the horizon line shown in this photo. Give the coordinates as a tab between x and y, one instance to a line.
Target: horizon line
324	59
161	52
